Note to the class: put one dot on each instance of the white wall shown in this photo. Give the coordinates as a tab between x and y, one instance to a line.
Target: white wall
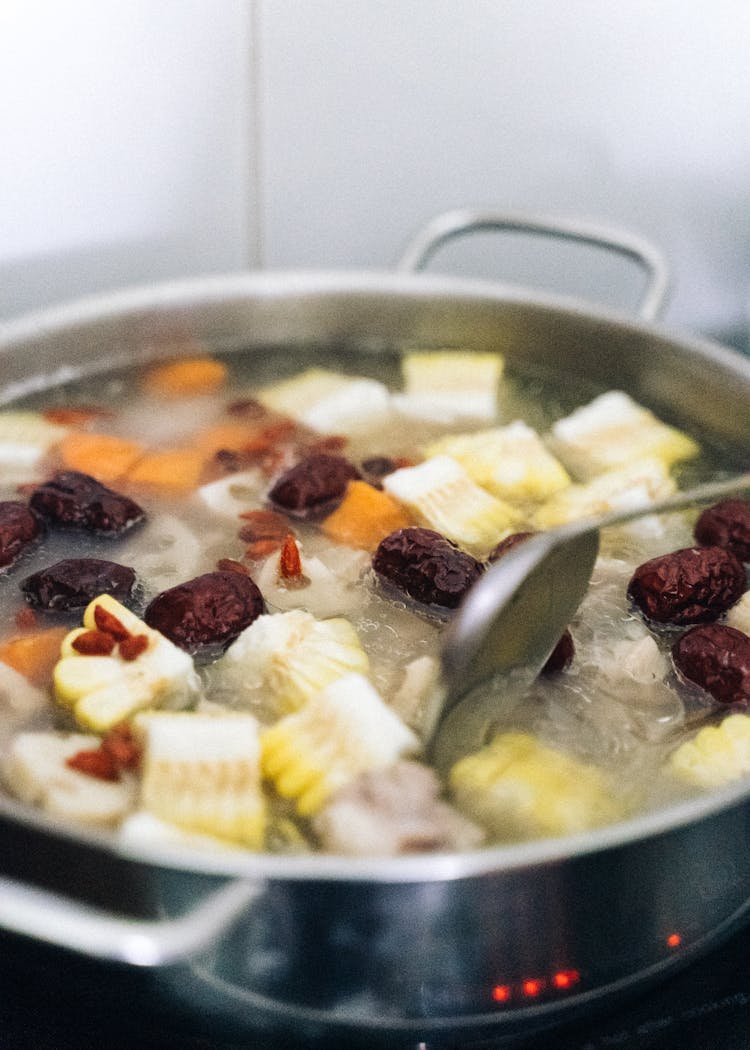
126	148
379	114
156	138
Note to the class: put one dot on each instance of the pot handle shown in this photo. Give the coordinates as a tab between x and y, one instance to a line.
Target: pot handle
63	923
451	224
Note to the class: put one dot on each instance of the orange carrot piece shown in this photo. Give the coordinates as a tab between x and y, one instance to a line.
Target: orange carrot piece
184	378
364	517
34	655
103	456
234	436
174	470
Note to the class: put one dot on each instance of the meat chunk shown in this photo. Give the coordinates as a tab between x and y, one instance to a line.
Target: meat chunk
397	810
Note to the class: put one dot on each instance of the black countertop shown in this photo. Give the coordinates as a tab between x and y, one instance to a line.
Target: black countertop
50	1000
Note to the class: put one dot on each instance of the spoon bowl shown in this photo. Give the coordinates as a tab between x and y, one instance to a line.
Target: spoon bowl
510	621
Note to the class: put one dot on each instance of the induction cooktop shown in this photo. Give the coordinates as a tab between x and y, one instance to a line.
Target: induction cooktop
50	1000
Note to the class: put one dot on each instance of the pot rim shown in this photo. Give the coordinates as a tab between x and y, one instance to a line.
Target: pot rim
280	284
235	862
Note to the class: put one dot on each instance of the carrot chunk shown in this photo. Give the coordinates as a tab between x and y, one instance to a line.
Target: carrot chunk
192	375
174	470
103	456
233	436
364	517
34	655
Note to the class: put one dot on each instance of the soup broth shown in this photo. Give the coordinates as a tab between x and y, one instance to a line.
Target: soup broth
207	457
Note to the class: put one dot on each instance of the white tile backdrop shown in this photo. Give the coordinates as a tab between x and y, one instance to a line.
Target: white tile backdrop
163	137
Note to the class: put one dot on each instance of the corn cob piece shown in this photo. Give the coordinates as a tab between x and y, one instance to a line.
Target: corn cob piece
25	437
716	755
201	772
104	688
519	788
510	462
633	485
36	771
612	431
344	730
141	828
449	385
441	495
330	402
291	656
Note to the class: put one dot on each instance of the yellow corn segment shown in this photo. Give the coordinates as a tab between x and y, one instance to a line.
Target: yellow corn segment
510	462
448	385
612	431
442	496
293	656
329	401
103	690
341	732
519	788
716	755
201	772
630	486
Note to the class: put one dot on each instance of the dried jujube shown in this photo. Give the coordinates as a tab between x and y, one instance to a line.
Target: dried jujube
312	488
426	566
78	501
74	582
206	614
716	658
562	655
19	528
692	585
726	524
508	544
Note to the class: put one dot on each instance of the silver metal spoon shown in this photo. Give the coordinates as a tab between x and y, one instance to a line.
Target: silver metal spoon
510	621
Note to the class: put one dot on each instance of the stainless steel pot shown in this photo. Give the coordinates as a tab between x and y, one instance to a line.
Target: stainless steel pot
455	946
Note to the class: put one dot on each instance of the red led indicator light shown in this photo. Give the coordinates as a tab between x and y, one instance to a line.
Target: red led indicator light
674	940
566	978
534	986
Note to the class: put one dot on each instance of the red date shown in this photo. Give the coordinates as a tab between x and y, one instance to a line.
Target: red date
726	524
78	501
716	658
426	566
692	585
508	544
19	528
206	614
313	488
74	582
562	655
